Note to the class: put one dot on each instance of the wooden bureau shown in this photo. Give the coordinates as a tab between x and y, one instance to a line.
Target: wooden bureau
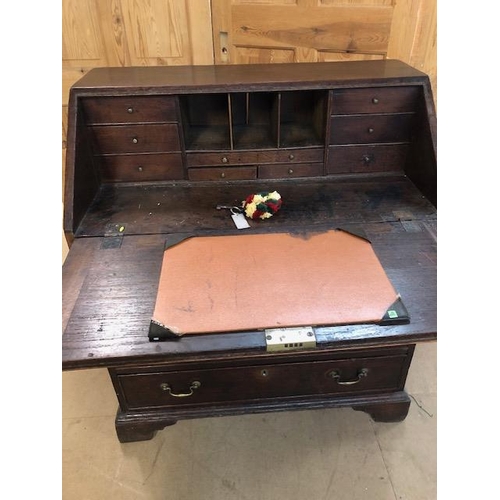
152	151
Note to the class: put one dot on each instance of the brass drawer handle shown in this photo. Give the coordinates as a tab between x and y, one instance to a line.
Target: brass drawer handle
367	159
375	100
336	375
371	130
130	110
291	157
135	140
224	159
194	385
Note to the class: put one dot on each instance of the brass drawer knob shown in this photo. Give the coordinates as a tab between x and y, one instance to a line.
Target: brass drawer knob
223	175
135	140
370	130
130	110
375	100
224	159
336	376
291	157
140	169
194	385
367	159
290	170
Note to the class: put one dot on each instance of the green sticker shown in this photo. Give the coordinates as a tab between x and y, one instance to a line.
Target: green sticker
392	313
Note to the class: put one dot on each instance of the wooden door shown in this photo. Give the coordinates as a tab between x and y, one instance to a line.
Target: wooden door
132	33
274	31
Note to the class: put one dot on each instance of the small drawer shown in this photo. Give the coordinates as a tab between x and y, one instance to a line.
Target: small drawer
254	157
136	139
144	167
366	158
290	170
371	129
253	383
374	100
222	174
131	109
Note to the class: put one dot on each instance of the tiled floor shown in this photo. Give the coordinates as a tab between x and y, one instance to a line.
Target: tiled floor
332	454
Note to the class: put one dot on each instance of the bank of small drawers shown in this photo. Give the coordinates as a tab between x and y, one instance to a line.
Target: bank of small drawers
226	385
258	164
370	129
135	138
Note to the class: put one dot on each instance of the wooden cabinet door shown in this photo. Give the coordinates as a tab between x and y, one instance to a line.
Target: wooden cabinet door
132	33
270	31
274	31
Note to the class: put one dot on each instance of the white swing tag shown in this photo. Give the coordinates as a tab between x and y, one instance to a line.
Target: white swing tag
239	220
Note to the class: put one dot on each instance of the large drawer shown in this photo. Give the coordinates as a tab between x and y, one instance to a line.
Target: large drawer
136	139
269	381
143	167
374	100
130	109
366	158
255	157
361	129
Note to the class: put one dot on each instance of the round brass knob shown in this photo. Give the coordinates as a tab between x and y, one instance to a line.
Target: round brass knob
135	140
370	130
224	159
367	159
140	169
290	170
130	110
291	157
375	100
223	175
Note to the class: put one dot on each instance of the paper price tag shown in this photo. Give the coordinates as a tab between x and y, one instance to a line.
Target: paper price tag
240	221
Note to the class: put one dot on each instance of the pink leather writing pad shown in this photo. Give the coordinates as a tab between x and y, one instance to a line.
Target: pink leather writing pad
256	281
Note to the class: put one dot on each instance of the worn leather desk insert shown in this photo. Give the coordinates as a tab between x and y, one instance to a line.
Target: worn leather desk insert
256	281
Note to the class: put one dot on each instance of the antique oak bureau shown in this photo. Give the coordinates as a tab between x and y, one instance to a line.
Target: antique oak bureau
152	151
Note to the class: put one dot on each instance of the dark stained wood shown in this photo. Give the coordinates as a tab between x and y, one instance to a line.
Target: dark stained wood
109	322
210	135
141	167
143	425
375	100
132	428
366	158
136	138
371	128
182	79
290	171
129	110
253	157
392	411
187	207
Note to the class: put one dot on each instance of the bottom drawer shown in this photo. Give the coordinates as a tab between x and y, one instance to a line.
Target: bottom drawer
145	167
366	158
253	383
222	173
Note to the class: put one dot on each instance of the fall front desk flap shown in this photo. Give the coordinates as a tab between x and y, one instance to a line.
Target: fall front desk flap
212	284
